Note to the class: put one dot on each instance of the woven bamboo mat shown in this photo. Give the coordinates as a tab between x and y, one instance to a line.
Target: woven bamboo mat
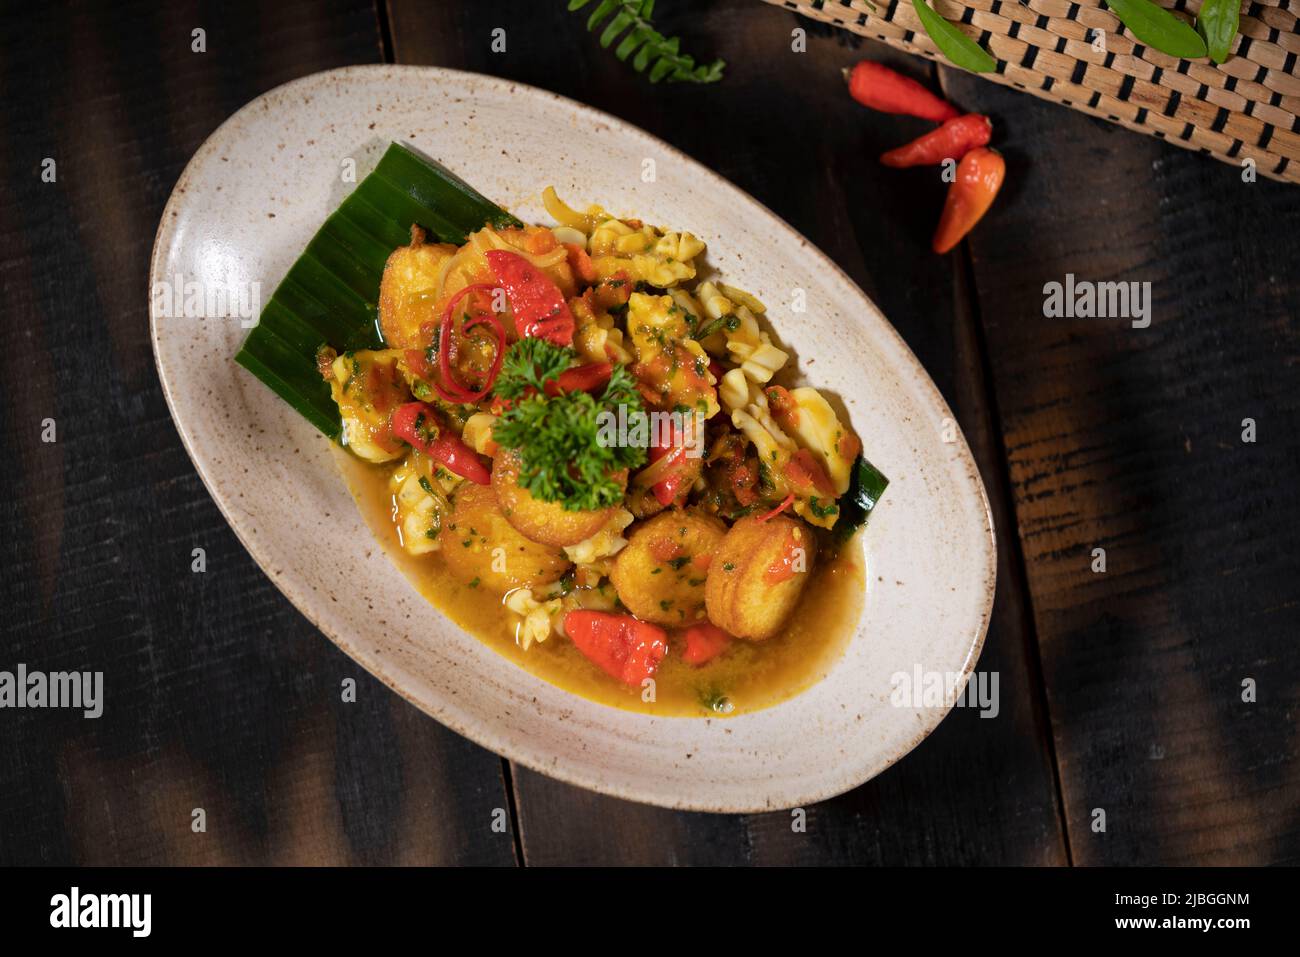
1247	107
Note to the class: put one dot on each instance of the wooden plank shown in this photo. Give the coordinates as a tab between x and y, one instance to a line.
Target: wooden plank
1130	440
219	695
781	127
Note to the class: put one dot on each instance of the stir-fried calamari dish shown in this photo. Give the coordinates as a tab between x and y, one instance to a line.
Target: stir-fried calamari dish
577	427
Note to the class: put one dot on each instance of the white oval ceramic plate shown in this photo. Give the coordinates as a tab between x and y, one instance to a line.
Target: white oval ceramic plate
242	212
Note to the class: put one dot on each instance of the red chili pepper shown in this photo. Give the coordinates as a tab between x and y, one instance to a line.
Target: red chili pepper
952	141
586	378
704	642
785	503
667	489
979	177
877	86
449	388
539	306
410	423
622	646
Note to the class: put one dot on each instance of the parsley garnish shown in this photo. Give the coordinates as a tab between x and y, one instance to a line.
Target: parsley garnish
557	437
528	364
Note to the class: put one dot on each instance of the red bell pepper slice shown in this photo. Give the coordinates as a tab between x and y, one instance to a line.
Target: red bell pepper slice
704	642
410	423
539	306
586	378
623	647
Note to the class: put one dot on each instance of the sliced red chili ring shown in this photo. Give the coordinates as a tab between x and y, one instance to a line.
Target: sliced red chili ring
450	389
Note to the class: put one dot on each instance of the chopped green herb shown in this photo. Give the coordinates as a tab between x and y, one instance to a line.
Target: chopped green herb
709	329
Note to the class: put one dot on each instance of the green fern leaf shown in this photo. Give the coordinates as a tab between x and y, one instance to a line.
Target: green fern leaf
631	19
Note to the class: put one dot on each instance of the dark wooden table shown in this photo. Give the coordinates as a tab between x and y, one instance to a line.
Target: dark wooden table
1120	691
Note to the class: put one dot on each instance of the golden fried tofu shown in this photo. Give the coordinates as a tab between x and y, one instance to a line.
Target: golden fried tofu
480	546
758	575
660	575
547	522
407	291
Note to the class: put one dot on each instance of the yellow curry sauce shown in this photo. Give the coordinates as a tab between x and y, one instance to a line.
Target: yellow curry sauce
749	676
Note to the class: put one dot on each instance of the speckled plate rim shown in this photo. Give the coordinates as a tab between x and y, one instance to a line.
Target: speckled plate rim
902	360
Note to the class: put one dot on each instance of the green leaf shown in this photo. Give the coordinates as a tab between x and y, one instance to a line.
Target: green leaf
330	296
649	45
1157	27
866	485
952	43
1217	24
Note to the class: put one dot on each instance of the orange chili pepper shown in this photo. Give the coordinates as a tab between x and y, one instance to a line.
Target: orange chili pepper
880	88
953	140
979	177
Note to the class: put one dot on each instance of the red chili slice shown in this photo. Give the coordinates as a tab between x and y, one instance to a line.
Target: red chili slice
449	388
446	449
785	503
586	378
666	489
537	303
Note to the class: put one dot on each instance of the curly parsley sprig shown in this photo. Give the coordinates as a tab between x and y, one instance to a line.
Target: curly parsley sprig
562	457
528	364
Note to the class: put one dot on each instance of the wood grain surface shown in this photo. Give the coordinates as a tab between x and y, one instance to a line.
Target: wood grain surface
224	697
1120	691
1131	440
